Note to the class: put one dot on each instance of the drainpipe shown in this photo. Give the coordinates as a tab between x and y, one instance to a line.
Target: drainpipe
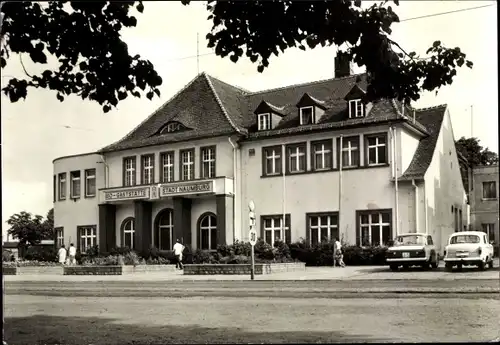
340	185
416	205
283	170
395	171
236	196
425	212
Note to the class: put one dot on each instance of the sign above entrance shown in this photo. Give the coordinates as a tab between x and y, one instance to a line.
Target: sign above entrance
127	194
199	187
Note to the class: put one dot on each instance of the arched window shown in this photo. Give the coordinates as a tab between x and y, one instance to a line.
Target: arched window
207	234
164	229
128	233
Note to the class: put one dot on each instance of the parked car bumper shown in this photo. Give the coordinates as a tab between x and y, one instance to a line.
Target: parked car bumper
464	261
407	261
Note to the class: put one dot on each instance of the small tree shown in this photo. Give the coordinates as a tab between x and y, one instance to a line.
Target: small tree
29	229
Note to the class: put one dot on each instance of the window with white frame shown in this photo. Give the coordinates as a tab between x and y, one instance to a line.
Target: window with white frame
376	149
489	190
87	237
374	227
167	164
350	152
59	236
128	233
208	162
208	232
165	230
356	108
274	229
296	158
62	186
306	116
272	160
129	171
187	165
148	169
321	155
264	121
90	179
323	227
76	185
489	230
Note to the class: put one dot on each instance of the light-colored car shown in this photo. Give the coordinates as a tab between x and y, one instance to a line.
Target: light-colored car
412	249
468	248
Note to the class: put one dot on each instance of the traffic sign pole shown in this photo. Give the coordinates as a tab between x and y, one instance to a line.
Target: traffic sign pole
252	236
252	268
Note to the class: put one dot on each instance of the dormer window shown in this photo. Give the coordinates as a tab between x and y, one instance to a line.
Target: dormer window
171	127
306	116
356	108
264	121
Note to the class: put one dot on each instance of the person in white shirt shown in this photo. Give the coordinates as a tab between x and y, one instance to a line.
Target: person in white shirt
178	249
338	253
72	254
61	255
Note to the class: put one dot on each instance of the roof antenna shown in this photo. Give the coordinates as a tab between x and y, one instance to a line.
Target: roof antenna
403	109
197	53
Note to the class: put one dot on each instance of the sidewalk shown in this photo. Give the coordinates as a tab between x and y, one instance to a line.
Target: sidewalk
310	273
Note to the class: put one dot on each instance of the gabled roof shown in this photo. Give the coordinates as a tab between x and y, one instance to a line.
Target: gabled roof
355	93
308	100
266	107
432	119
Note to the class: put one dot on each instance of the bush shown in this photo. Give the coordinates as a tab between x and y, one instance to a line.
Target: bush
41	253
6	255
205	257
264	251
322	254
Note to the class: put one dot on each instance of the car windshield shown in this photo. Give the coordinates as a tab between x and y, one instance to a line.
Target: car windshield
408	240
464	239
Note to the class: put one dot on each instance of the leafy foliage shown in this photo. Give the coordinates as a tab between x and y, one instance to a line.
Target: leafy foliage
475	154
84	36
41	254
260	29
29	229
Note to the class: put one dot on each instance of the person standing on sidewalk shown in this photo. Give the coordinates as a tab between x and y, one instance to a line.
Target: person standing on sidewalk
61	255
338	253
72	254
178	249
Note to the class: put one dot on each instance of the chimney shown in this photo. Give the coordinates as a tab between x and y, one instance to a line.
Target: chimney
342	65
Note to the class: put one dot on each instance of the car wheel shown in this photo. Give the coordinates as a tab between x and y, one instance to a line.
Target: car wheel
459	267
490	264
435	264
406	267
427	264
394	268
481	266
448	267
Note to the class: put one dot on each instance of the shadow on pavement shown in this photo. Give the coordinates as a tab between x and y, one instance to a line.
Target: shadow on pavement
50	330
465	269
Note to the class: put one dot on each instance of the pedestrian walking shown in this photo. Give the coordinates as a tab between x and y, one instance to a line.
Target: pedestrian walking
61	255
72	254
178	249
338	253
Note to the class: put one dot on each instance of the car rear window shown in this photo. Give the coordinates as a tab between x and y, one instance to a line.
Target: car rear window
408	240
465	239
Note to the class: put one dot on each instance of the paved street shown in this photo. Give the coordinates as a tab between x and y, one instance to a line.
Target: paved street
153	320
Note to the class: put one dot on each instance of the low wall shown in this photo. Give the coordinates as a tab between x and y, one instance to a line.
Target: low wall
93	270
148	268
9	271
243	269
51	270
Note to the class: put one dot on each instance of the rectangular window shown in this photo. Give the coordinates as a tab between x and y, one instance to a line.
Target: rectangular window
356	108
490	190
376	149
348	152
489	230
208	162
90	180
76	185
187	164
306	116
54	187
271	160
322	227
273	229
59	236
129	171
321	155
167	166
62	186
264	122
296	158
148	169
87	237
375	227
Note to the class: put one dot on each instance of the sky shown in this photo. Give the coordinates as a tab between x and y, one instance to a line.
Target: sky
39	129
